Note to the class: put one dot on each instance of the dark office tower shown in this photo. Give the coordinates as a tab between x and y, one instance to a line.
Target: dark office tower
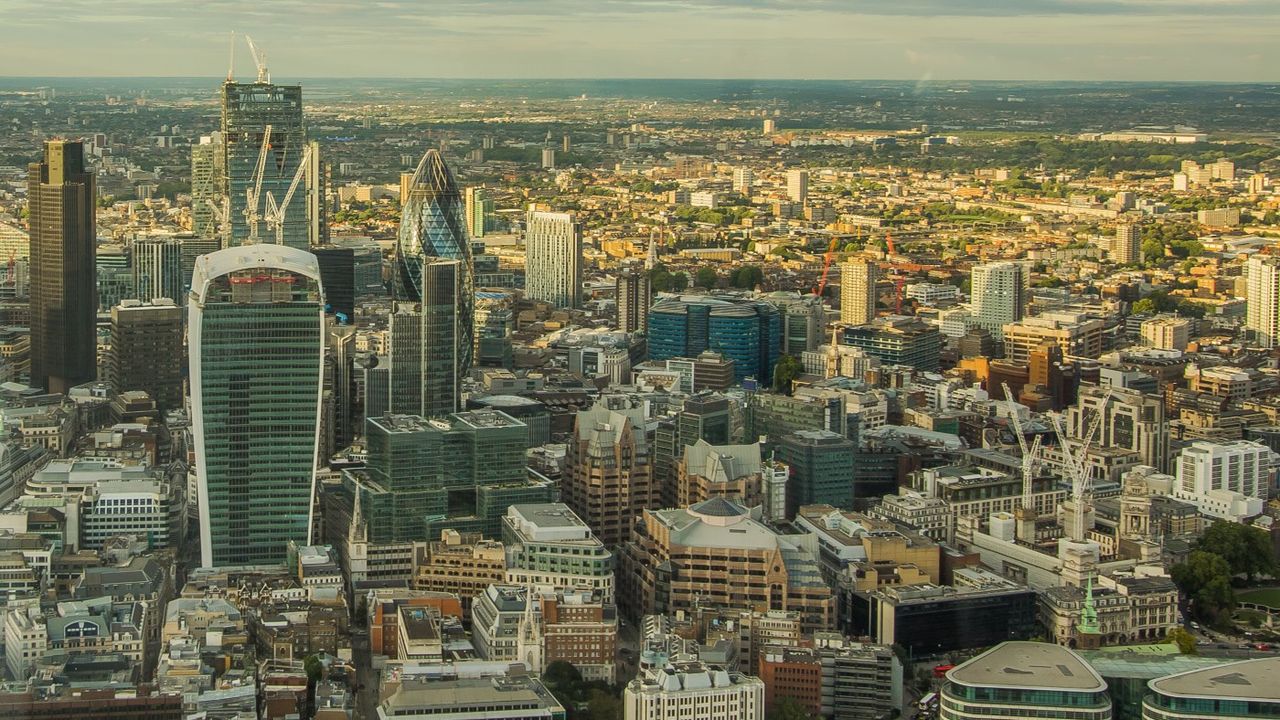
247	110
317	185
342	354
633	299
63	274
338	275
256	337
432	224
424	344
157	269
146	350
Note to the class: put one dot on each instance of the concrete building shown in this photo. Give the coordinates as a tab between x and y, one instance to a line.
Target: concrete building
1166	332
633	298
1000	294
1227	481
1025	679
689	690
498	698
147	352
462	565
1131	421
1262	308
1126	246
858	291
898	341
549	547
1076	335
798	185
608	476
553	258
719	554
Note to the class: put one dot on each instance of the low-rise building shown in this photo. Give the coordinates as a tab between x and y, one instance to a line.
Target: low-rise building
1025	679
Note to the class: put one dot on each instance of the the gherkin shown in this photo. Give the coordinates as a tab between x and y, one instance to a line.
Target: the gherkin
433	224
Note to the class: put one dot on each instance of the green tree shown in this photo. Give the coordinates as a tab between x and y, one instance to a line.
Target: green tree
1152	250
746	277
604	706
788	708
1185	641
1205	578
561	675
707	278
785	371
660	279
679	281
1145	306
314	668
1246	549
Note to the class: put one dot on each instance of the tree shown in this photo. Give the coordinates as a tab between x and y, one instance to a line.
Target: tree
1205	578
785	371
1152	250
660	279
1185	641
314	668
561	675
746	277
1145	306
788	708
604	706
679	281
1246	549
707	278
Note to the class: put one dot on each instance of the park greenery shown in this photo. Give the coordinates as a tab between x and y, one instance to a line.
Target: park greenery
582	699
1225	552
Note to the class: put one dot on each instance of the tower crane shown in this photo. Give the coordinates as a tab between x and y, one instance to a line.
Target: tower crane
252	194
275	213
826	267
1074	465
222	213
260	60
1030	453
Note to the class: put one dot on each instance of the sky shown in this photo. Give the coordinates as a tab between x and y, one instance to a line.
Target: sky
1191	40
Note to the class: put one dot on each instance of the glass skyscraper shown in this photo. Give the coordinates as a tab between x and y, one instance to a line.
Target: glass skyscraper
247	109
748	332
432	224
256	324
425	351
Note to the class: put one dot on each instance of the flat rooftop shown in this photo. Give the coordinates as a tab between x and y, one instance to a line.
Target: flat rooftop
1246	680
1029	665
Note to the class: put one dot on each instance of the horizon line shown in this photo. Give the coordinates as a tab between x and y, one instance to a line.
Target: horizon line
916	81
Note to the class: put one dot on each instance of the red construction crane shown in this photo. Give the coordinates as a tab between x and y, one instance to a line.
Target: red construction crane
826	268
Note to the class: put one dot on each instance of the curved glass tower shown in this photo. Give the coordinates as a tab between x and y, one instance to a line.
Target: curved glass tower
433	224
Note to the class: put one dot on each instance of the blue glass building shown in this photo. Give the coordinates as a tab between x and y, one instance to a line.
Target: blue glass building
749	332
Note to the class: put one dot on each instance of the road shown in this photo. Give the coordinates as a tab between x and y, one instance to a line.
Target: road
366	678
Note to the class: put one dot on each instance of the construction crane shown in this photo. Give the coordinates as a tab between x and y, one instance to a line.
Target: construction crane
260	60
253	193
826	267
275	213
1030	453
222	213
1075	467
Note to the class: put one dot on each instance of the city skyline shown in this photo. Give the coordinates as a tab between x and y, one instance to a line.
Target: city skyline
921	40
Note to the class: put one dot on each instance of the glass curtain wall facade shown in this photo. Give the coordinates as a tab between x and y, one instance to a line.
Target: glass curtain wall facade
247	109
256	319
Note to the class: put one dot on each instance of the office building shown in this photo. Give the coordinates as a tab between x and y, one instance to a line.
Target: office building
821	465
207	194
858	291
1262	309
748	332
479	210
719	554
113	268
553	258
157	270
426	363
548	546
432	226
837	678
338	276
743	179
929	619
317	188
608	477
1245	689
898	340
425	475
1166	332
798	186
1077	335
256	338
1225	480
999	294
1126	246
63	211
147	352
500	698
1131	421
728	471
667	690
633	300
247	111
804	319
1025	679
